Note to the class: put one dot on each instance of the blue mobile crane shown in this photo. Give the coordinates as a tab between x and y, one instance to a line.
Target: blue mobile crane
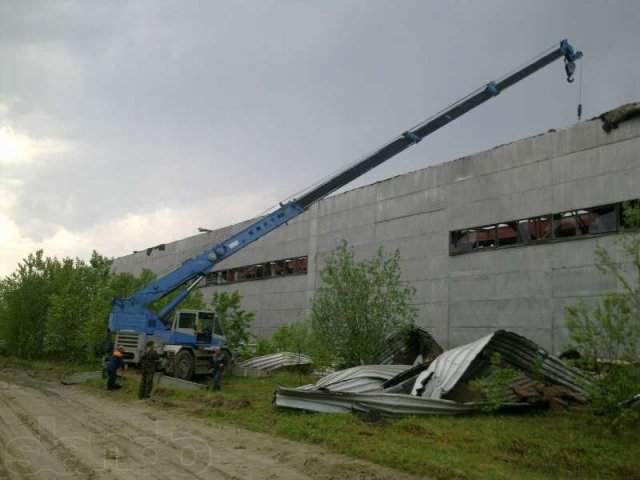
188	336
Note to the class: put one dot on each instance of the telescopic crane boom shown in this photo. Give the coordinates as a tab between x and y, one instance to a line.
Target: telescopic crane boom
133	313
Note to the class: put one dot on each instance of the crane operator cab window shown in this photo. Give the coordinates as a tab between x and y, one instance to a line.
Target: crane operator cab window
204	325
208	325
187	320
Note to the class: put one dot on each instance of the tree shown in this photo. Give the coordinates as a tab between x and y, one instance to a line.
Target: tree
296	337
24	302
608	337
360	304
59	309
235	321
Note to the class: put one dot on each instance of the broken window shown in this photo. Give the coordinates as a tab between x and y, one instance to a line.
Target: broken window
558	226
508	234
259	271
564	224
539	229
462	240
603	219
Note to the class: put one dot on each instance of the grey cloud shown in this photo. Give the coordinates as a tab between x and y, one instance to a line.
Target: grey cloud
167	103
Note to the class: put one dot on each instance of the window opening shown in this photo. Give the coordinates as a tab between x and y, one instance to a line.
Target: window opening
558	226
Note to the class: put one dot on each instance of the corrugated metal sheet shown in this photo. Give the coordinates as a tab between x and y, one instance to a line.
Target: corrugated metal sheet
269	363
466	362
249	372
165	381
360	388
159	379
405	347
387	404
365	378
403	382
446	370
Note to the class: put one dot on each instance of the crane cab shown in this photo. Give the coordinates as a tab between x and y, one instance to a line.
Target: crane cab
203	326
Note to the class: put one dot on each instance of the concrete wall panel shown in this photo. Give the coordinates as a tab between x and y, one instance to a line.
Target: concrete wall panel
411	226
462	297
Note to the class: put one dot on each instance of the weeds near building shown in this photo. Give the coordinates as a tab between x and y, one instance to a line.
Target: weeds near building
608	337
494	386
360	303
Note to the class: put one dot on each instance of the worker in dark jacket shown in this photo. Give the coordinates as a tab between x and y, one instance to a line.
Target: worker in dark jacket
148	365
218	362
115	363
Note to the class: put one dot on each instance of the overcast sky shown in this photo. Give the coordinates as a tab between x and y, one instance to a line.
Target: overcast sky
125	124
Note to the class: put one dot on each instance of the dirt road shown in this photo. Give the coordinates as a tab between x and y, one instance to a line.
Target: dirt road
50	431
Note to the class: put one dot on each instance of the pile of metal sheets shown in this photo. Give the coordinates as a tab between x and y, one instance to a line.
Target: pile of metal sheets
470	361
407	347
264	365
376	387
365	378
388	404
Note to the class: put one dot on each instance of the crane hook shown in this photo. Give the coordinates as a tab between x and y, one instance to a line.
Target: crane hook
569	68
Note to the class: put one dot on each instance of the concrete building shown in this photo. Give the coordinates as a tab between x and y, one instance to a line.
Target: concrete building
499	239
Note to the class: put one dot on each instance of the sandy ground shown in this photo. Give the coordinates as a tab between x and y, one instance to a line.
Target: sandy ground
51	431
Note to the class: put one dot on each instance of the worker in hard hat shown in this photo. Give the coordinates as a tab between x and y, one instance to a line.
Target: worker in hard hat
115	363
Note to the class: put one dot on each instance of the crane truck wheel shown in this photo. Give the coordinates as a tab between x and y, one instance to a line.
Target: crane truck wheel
184	365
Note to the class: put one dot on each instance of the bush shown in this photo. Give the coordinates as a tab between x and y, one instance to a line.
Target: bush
359	304
608	337
299	337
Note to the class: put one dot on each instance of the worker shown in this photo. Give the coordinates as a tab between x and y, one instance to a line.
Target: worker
218	361
148	365
115	363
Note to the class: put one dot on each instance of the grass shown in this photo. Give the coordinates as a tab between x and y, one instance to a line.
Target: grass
54	367
552	444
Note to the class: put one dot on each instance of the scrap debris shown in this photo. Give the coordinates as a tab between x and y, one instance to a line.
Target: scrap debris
611	119
449	374
442	386
264	365
362	379
409	347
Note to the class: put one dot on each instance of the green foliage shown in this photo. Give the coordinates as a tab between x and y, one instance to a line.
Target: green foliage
494	386
235	321
299	337
359	304
295	337
25	297
263	346
59	309
608	333
608	337
73	311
